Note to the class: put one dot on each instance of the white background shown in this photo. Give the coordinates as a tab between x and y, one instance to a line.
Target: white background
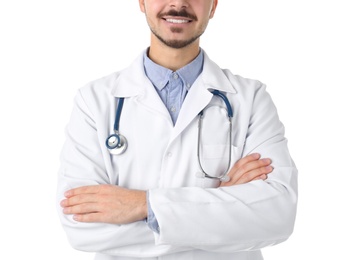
303	51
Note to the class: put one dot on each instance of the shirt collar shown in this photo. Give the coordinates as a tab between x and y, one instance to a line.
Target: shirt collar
159	76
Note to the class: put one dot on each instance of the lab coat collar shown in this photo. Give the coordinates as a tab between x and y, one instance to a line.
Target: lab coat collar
214	77
132	81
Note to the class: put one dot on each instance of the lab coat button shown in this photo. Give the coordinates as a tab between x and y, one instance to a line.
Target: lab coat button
169	154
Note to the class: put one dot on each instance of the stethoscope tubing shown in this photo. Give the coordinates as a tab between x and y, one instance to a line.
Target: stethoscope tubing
226	101
118	114
223	177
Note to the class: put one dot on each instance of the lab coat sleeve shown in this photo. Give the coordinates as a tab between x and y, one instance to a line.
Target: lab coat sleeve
241	217
82	163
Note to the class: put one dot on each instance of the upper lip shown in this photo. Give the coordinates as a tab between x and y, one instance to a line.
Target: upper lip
178	15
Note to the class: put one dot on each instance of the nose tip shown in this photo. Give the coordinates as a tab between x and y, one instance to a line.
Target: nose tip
179	4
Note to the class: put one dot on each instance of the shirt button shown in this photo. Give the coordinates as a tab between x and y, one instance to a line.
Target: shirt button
175	75
173	109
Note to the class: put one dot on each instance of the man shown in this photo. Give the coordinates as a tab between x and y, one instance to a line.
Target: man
156	200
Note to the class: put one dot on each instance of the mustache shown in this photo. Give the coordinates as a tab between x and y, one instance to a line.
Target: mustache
182	13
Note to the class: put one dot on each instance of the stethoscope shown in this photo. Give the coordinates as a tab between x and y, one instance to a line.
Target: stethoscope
117	144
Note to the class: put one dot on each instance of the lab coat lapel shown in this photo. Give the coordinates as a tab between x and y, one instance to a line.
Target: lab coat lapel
199	96
133	82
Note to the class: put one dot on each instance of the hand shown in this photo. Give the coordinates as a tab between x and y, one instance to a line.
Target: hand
105	203
247	169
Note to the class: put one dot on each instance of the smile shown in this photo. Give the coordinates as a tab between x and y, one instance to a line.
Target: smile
178	21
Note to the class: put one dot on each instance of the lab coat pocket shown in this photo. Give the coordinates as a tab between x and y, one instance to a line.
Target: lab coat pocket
218	158
216	161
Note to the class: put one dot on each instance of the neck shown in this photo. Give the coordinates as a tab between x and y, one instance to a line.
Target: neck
172	58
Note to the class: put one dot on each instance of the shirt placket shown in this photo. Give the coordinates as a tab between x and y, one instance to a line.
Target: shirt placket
173	96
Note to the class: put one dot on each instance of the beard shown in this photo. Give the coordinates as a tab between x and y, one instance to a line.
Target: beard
177	44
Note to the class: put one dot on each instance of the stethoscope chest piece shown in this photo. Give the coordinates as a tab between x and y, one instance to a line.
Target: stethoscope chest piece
116	144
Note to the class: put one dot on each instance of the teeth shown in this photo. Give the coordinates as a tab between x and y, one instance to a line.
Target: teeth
176	21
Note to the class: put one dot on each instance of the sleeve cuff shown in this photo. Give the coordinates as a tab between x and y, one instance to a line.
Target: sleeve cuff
151	218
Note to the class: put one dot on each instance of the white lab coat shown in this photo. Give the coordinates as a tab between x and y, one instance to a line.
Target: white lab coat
197	220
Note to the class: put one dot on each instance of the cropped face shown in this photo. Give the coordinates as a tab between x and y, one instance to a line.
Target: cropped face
178	23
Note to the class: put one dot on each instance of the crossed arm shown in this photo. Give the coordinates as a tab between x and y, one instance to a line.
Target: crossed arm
117	205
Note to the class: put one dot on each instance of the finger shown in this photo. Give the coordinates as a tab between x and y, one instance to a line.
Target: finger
78	199
82	190
254	165
256	174
251	175
245	160
262	177
89	218
250	166
81	209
